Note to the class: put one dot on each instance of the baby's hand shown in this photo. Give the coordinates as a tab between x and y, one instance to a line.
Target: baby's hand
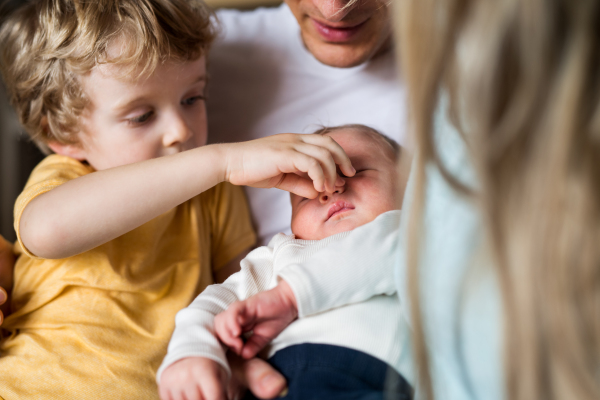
193	378
266	314
301	164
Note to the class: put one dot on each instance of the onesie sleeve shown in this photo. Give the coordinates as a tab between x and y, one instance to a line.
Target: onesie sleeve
231	227
347	271
194	334
52	172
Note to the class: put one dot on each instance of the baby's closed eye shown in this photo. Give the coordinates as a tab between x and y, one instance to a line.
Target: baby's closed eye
358	171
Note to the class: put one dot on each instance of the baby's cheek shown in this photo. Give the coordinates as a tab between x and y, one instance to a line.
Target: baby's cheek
304	226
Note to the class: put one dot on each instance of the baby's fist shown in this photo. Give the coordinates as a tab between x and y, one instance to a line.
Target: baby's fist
266	314
193	378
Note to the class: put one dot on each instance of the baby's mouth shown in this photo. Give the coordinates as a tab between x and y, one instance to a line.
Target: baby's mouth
337	208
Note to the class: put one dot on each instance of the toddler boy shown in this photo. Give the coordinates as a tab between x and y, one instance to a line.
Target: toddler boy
346	353
132	215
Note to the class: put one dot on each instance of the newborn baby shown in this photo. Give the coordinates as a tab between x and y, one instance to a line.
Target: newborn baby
351	352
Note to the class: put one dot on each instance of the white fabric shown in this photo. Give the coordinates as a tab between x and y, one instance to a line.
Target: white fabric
375	326
263	82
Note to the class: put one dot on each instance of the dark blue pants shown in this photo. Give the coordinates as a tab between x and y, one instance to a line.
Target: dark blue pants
319	371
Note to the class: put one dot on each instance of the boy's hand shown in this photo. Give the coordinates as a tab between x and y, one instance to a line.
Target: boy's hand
303	164
193	378
266	314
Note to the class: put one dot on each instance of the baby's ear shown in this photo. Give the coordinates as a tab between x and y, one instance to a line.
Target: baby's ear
70	150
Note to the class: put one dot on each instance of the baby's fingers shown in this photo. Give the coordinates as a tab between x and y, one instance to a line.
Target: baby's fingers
228	331
213	389
253	345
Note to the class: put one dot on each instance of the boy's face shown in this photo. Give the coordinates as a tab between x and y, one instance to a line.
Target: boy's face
136	120
372	191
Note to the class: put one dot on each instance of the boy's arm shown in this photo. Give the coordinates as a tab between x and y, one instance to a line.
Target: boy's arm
93	209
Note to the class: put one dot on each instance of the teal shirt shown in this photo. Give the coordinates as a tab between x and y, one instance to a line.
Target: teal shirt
460	303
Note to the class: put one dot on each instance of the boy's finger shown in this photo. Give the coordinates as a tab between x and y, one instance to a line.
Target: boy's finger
3	296
325	159
339	155
298	185
301	164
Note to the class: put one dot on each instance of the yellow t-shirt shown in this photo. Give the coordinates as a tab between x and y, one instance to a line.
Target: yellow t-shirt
97	325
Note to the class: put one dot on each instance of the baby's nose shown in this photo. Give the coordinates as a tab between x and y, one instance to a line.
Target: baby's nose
324	197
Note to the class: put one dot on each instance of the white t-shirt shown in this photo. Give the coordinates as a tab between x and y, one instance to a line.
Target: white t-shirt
375	326
263	81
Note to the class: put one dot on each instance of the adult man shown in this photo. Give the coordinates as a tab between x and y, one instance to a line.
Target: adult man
292	68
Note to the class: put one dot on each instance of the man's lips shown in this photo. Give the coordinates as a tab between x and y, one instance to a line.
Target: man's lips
337	33
337	208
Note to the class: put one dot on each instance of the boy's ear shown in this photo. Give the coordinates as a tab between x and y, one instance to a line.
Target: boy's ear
70	150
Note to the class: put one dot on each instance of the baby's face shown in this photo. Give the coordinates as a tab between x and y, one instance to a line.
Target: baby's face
134	120
372	191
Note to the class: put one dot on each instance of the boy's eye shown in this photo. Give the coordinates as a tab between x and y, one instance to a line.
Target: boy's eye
191	100
141	118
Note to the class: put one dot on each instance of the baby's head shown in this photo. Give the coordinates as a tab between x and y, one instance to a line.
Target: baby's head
374	189
109	81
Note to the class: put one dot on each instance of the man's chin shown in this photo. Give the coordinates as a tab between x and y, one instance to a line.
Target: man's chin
344	55
340	55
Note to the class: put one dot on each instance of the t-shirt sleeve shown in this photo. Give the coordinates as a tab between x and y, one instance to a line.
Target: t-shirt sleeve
231	227
52	172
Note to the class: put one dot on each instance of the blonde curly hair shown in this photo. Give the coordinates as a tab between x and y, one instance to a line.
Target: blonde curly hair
46	44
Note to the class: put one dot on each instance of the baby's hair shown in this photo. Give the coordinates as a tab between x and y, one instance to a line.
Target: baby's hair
45	45
374	133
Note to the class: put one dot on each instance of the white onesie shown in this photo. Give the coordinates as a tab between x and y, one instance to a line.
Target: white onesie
375	326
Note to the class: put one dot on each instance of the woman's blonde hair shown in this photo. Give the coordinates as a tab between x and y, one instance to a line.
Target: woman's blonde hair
523	78
46	44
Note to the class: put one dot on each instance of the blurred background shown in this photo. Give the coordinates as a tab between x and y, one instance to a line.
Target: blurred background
18	155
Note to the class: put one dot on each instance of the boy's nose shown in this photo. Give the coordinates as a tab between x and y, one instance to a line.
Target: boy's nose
324	197
177	132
